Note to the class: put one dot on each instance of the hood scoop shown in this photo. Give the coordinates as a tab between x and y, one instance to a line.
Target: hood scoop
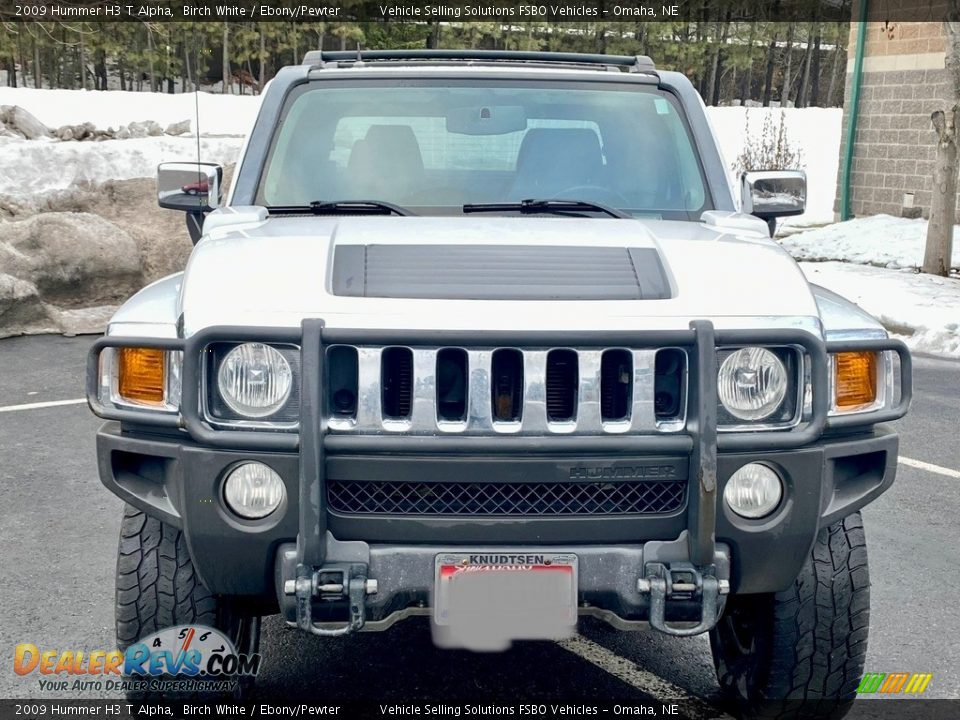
499	272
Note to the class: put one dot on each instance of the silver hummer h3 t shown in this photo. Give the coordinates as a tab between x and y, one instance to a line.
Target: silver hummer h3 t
486	336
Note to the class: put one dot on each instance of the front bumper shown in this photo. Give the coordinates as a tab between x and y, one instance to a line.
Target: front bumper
179	482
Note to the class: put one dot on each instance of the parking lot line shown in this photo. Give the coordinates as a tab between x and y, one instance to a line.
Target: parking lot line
38	405
646	682
930	467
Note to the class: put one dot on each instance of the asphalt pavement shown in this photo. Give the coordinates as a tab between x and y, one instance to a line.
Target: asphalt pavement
59	529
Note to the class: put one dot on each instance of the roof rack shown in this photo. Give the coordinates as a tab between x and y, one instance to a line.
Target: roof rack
631	63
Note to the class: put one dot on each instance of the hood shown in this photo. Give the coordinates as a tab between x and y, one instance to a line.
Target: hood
488	273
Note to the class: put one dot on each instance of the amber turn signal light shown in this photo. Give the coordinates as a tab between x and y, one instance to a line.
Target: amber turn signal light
855	379
140	375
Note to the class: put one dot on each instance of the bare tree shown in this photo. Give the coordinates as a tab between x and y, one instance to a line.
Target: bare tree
936	257
227	78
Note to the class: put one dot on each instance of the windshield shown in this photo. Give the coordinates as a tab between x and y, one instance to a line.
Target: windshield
436	145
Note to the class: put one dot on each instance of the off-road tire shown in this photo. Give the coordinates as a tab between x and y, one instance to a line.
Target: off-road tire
800	653
158	587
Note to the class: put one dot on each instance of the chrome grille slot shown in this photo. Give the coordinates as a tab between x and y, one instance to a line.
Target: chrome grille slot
616	385
489	391
507	385
396	380
562	380
670	384
342	382
451	385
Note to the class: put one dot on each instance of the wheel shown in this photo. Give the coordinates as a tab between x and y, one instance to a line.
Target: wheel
800	653
157	588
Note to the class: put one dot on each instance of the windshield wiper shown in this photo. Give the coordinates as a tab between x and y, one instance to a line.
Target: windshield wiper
560	207
343	207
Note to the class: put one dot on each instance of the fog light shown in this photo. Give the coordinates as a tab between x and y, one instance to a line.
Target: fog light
753	491
253	490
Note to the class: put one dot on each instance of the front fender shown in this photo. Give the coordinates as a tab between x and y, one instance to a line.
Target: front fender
843	319
152	312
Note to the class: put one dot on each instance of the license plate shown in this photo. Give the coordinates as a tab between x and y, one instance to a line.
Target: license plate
483	600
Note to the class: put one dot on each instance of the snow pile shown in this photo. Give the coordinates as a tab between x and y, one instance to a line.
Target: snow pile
922	309
28	167
880	240
219	114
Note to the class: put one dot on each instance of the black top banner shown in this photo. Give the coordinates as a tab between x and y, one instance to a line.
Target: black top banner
461	11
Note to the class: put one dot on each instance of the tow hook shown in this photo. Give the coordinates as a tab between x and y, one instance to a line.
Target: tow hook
331	584
683	581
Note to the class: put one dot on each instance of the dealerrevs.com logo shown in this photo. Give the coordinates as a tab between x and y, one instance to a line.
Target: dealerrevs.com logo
186	658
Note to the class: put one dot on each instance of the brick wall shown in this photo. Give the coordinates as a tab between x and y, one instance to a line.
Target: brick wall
903	81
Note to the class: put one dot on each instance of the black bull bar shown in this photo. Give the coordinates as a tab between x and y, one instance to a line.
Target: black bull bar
699	442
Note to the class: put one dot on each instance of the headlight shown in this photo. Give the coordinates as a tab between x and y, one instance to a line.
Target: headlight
752	383
753	491
254	380
253	490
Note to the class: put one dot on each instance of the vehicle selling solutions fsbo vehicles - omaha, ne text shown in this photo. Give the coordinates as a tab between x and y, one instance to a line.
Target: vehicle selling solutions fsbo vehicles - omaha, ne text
484	336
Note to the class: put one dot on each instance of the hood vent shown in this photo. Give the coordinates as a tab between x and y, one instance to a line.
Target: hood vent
499	272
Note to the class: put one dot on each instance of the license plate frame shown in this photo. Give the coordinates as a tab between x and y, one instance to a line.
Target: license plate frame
499	596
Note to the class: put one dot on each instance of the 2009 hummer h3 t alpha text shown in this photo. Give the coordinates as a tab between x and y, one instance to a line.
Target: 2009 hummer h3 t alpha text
484	336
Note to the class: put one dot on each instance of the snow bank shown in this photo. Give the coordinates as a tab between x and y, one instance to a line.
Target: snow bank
922	309
815	131
35	166
219	114
880	240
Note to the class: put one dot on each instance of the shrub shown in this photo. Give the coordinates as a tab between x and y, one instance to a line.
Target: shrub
771	150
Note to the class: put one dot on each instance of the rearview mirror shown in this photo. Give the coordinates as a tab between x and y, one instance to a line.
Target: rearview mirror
487	120
773	193
189	186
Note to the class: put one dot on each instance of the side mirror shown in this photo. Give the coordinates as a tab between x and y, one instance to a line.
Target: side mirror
189	186
769	194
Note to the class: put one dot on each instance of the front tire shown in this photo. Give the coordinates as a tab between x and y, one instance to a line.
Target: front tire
800	653
157	587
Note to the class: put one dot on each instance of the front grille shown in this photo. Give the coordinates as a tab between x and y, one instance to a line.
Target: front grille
523	391
504	499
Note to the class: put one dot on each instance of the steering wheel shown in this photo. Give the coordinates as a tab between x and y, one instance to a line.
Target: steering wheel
594	193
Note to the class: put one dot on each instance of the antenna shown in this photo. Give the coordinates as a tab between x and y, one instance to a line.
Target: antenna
195	219
196	112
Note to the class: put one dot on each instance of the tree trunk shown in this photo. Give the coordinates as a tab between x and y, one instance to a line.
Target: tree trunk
101	70
768	74
227	80
805	77
186	68
746	82
939	248
785	87
263	57
938	251
815	73
835	74
83	64
712	72
150	59
37	82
